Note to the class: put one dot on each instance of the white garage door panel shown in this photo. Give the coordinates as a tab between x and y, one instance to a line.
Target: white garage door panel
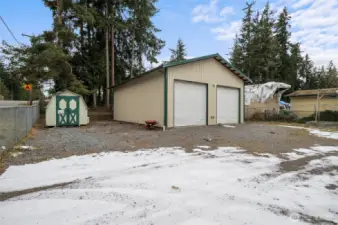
189	103
227	105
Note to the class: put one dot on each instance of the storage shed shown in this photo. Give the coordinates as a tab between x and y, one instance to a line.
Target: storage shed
305	102
66	108
206	90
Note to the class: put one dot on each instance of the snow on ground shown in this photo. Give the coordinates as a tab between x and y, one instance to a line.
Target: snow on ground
316	132
229	126
169	186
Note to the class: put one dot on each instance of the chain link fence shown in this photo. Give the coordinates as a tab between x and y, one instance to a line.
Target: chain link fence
15	123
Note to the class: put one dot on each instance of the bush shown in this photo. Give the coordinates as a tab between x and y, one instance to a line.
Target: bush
306	119
287	115
327	115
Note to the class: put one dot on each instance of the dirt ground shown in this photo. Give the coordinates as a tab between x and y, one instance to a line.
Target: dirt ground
103	136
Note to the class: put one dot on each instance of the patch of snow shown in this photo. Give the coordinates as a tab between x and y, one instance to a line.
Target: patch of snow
24	147
292	155
229	126
313	151
230	187
325	134
203	146
294	127
316	132
15	154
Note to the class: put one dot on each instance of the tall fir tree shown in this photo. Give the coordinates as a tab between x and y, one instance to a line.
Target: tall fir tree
295	64
236	57
179	53
264	46
245	38
282	37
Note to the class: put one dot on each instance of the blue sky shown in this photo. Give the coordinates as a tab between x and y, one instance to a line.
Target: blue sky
205	26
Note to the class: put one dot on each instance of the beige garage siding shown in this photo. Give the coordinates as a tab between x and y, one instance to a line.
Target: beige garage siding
210	72
141	99
305	106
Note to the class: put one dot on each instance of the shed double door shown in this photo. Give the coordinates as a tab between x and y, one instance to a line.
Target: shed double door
228	100
67	111
190	103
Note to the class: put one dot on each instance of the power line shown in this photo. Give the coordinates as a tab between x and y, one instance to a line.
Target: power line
10	31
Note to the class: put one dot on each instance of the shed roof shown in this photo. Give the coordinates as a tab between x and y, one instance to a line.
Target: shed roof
216	56
314	92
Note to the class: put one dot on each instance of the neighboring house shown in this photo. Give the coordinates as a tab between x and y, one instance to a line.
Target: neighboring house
264	98
66	108
202	91
304	102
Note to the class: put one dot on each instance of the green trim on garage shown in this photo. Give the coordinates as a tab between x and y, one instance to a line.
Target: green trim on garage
207	102
239	106
243	104
166	97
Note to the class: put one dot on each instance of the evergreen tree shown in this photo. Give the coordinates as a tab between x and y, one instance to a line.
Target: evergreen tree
264	46
306	73
331	75
295	64
179	53
236	57
245	39
282	37
72	54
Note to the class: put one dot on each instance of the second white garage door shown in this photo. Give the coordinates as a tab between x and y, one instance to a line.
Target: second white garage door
190	100
227	105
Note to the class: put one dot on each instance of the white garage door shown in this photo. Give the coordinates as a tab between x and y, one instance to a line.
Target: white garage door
227	105
189	103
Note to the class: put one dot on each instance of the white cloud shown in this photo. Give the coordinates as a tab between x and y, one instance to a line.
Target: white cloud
316	28
301	3
210	13
227	11
227	32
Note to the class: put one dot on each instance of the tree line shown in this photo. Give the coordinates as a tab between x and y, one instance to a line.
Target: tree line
72	54
264	52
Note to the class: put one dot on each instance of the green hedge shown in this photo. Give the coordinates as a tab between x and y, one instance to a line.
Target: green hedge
327	115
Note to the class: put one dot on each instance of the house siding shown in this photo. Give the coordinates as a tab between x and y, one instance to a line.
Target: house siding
210	72
141	99
305	106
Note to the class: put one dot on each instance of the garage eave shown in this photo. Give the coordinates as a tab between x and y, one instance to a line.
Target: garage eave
159	69
220	59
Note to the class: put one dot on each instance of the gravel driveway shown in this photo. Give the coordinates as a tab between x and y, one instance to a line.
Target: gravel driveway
105	136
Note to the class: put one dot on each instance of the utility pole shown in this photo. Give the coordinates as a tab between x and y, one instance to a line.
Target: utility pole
107	60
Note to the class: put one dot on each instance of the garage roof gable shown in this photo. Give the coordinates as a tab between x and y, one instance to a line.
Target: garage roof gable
220	59
216	56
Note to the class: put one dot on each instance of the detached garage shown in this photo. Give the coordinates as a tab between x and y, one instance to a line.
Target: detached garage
206	90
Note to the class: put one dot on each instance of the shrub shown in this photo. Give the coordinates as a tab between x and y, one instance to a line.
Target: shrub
287	115
328	115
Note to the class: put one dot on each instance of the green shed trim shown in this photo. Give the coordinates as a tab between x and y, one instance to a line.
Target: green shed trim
166	97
